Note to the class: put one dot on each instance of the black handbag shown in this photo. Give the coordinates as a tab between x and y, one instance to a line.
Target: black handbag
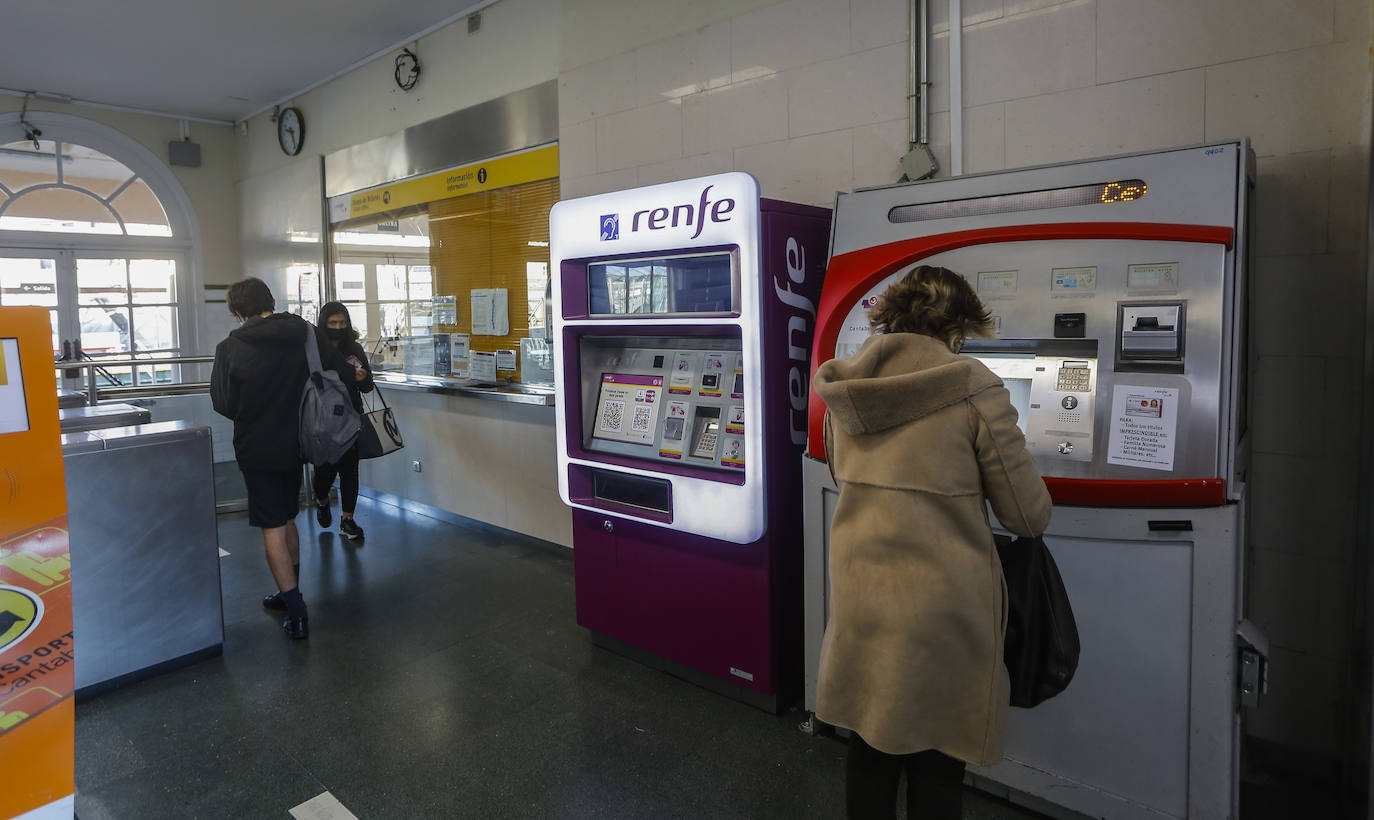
1042	638
379	434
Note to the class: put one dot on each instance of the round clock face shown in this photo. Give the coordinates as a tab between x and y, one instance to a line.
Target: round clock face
290	131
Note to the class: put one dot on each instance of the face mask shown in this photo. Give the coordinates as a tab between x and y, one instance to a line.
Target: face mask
337	334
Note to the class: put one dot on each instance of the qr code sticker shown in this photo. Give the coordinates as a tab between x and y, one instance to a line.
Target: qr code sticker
641	419
612	416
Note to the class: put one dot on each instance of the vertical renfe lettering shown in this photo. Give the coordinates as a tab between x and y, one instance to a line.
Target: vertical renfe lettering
634	225
687	208
720	210
796	327
658	218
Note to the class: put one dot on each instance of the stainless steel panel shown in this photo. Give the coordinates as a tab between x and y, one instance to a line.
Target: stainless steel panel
141	435
145	552
519	120
77	419
82	442
70	398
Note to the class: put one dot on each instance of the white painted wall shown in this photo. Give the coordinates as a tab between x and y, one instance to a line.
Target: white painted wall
810	97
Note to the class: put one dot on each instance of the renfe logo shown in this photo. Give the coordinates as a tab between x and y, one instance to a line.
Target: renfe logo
685	214
798	343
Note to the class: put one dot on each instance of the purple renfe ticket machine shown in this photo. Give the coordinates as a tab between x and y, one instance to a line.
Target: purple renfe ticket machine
683	316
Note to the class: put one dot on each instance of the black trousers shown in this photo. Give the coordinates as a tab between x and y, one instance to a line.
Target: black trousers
347	471
934	784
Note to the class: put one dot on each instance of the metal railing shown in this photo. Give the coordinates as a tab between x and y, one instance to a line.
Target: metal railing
94	392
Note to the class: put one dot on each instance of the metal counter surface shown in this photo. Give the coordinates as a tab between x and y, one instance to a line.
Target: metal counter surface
144	551
508	392
77	419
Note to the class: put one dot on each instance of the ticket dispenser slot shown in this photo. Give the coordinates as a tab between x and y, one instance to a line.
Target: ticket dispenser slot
1150	337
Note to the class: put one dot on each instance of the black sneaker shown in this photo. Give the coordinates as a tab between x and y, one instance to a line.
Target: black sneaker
348	528
297	628
322	514
274	602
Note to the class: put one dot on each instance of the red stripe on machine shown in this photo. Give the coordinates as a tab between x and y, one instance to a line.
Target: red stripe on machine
849	276
1183	492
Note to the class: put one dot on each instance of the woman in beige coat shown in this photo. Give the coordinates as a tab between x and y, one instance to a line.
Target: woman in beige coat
919	440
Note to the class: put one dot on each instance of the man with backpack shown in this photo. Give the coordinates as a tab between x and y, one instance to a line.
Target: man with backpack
259	377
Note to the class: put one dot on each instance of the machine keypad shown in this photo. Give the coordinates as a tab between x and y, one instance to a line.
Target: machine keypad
1074	380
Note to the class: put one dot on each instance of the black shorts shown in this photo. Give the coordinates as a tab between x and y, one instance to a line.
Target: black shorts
274	497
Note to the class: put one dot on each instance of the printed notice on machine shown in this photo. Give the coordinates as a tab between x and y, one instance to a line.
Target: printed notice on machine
14	410
628	410
1144	427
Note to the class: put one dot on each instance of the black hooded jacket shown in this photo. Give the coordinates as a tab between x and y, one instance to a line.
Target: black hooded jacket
260	370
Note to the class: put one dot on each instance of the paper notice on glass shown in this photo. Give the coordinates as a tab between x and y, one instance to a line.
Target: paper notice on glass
490	315
481	366
446	310
505	360
1144	427
459	344
14	409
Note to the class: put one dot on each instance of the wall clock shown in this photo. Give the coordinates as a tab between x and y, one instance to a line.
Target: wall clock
290	131
407	69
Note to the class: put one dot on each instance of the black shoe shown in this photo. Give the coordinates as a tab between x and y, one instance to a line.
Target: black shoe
274	602
348	528
322	513
297	628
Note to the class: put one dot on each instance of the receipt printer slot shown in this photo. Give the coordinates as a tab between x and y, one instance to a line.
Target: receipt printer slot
1151	333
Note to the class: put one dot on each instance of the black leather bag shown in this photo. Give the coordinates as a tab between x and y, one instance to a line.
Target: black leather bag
1042	638
379	434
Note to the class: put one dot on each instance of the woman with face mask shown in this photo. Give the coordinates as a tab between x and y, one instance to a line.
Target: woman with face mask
338	326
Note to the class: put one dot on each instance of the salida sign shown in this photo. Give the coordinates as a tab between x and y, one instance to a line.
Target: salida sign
686	214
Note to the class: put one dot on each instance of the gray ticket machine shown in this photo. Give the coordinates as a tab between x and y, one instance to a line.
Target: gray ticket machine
1118	293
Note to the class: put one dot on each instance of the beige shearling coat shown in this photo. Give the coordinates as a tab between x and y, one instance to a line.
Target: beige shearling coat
919	437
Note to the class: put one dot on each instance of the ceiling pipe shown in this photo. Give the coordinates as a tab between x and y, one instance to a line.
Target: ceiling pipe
919	162
956	88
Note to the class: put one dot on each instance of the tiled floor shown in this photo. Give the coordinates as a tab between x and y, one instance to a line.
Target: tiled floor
445	677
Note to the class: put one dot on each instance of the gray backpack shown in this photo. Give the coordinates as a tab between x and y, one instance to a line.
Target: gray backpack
329	425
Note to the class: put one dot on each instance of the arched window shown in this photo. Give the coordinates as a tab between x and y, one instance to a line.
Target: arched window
96	228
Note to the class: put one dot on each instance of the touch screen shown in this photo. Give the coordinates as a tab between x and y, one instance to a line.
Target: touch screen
668	285
1020	390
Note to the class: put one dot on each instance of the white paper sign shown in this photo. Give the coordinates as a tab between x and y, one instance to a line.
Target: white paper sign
490	315
505	360
1144	427
14	410
446	310
482	366
460	343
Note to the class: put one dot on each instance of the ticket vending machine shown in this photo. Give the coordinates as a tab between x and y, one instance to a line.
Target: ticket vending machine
1118	293
683	319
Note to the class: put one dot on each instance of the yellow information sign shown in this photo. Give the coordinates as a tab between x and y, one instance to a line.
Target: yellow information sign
536	164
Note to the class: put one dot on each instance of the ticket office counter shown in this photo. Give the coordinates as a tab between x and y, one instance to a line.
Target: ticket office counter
485	452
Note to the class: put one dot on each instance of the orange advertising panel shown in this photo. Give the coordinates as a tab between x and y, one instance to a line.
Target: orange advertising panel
37	714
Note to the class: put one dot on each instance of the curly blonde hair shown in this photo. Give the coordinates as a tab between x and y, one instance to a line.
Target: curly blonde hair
934	302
